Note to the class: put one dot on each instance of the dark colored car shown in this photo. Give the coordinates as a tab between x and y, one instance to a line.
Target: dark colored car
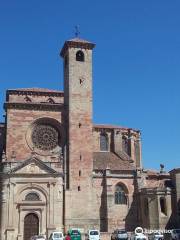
38	237
119	234
74	234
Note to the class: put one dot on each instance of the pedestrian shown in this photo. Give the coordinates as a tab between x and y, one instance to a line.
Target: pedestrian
68	237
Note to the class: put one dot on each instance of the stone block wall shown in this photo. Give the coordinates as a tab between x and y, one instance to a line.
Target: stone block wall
115	141
113	215
18	123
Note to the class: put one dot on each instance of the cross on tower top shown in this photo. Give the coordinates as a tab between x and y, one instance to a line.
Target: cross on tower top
77	32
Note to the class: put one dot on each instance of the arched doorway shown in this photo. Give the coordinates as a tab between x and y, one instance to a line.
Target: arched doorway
31	226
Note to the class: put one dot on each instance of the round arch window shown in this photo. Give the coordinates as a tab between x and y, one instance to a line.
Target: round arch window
32	197
80	56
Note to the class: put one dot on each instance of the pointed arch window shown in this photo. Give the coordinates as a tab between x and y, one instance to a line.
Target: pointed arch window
32	197
80	56
104	142
120	195
125	144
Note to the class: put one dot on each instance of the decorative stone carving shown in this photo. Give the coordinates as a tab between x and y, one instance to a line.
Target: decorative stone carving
44	137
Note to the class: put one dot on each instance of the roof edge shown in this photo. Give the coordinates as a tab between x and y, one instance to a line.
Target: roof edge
109	126
34	91
76	43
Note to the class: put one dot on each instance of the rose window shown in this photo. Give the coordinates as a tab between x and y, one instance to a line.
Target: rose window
45	137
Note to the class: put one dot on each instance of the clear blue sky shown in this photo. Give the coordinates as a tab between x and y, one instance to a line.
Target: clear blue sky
136	65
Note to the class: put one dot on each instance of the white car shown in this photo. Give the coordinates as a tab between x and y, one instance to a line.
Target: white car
93	235
56	236
175	234
139	236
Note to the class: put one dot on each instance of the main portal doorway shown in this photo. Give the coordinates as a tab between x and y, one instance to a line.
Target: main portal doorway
31	226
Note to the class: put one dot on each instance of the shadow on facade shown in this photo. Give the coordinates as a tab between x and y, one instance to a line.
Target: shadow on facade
171	223
174	220
103	211
131	220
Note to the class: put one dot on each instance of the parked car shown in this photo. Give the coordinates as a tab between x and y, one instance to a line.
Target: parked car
74	234
175	234
138	236
41	237
56	236
119	234
156	236
38	237
33	237
93	235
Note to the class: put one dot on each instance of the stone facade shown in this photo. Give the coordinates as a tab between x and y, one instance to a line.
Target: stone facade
59	170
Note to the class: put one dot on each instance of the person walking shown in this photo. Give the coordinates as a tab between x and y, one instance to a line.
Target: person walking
68	237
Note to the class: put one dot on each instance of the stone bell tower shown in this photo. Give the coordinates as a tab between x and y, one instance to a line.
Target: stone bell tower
77	55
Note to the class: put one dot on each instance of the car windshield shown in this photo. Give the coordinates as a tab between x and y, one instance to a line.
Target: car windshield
94	233
121	231
40	237
75	232
57	235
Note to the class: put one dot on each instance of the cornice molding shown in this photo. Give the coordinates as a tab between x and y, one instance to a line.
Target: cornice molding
76	44
36	93
34	106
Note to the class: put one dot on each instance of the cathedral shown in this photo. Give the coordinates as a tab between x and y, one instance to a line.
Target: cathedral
59	170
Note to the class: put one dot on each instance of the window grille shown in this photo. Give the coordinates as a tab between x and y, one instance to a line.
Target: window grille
32	197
